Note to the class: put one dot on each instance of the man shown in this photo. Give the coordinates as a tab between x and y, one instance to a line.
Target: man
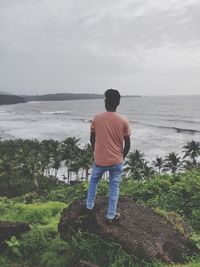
110	140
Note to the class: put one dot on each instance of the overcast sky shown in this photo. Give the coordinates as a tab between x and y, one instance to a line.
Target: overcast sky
145	47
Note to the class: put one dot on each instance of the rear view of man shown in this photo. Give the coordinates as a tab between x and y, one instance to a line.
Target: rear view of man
110	139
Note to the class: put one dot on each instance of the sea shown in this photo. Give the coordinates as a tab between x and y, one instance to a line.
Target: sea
159	125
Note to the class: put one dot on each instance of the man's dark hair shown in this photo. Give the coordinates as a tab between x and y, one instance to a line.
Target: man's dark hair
112	98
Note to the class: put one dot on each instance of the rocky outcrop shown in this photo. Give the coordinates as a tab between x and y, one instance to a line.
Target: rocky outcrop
140	231
86	264
7	229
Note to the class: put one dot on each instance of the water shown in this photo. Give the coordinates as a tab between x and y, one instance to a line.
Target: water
159	124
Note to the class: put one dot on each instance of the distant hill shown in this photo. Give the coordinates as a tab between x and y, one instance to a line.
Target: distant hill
61	96
14	99
10	99
64	96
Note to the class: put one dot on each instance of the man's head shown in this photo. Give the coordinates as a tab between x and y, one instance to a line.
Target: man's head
112	99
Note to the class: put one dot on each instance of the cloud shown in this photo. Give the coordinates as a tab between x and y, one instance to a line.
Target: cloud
111	40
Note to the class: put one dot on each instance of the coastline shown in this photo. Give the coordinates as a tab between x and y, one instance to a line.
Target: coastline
54	97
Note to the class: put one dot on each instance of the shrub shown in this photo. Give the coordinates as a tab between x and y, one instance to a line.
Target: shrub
179	193
68	193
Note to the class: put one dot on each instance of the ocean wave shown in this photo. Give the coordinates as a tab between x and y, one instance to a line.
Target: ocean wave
83	120
151	115
186	121
177	129
57	112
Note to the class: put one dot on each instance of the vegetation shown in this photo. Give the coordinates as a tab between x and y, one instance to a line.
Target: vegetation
24	164
30	191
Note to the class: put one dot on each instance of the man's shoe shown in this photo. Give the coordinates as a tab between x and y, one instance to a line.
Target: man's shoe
114	220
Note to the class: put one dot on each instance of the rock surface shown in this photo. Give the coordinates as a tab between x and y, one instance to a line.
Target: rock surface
7	229
86	264
140	231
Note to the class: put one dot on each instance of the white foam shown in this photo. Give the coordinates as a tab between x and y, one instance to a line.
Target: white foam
55	112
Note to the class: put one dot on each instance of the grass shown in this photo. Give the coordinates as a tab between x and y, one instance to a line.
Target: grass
42	246
40	213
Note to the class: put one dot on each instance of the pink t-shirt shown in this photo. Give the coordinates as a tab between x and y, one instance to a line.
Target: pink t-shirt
110	129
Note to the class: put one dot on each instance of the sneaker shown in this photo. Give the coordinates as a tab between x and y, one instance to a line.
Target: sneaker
114	220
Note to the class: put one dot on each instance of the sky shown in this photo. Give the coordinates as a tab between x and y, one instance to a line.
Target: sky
141	47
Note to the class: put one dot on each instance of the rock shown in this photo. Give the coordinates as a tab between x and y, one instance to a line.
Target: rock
86	264
7	229
140	231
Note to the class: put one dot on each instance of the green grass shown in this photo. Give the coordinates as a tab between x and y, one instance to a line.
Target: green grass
174	197
41	213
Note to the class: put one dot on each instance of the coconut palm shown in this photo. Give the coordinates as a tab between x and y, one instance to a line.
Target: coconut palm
158	163
29	159
55	156
86	159
70	152
46	155
192	150
173	162
74	167
135	165
148	170
8	162
6	169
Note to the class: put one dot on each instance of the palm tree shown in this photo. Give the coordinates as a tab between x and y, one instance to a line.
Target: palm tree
192	150
74	167
6	169
29	159
173	162
8	163
148	170
46	154
158	163
86	159
70	152
135	165
55	156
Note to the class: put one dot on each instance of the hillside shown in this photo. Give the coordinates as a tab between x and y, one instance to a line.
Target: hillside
10	99
14	99
61	96
64	96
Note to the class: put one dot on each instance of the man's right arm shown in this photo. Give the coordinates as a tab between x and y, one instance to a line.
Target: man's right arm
92	139
127	145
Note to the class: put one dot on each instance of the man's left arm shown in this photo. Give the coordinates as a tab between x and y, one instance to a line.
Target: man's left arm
92	134
127	145
92	140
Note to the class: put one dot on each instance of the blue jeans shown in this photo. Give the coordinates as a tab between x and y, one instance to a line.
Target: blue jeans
115	172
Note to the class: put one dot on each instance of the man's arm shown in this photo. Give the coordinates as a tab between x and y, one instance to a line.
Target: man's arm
127	145
92	139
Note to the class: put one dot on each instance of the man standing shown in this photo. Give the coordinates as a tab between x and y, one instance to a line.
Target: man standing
110	140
